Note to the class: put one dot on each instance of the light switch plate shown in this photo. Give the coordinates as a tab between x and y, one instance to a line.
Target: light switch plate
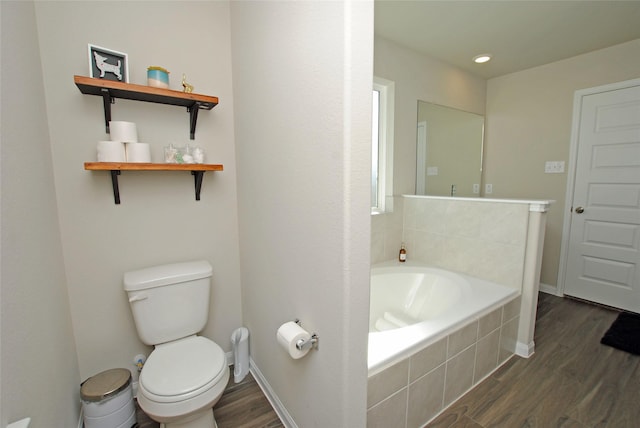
554	167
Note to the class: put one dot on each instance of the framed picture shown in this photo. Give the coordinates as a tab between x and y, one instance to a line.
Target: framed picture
108	64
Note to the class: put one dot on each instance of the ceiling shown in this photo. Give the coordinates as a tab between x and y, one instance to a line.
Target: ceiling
519	34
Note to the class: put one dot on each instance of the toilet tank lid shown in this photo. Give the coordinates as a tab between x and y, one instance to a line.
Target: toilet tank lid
174	273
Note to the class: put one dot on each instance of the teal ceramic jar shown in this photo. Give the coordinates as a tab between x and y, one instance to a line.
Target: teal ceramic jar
158	77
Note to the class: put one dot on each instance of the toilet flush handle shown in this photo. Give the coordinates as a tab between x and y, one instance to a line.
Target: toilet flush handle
137	298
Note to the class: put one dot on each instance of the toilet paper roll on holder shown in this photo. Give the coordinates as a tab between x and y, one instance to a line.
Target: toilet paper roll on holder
302	344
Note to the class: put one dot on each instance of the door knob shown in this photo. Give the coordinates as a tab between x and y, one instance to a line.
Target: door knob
579	210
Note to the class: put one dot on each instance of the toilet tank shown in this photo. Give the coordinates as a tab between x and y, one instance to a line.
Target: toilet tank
170	301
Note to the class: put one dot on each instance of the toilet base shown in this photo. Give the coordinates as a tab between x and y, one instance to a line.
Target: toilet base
202	419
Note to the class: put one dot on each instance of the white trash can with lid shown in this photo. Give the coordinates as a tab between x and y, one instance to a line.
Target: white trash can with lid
107	400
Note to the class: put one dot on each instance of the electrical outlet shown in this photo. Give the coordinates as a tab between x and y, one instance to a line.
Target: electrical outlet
476	188
554	167
488	188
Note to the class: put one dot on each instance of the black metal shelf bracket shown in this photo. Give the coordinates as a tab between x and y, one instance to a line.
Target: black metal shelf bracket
114	182
107	100
197	178
193	119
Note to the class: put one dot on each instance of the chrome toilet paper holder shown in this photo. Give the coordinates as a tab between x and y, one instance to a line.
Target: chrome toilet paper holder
302	344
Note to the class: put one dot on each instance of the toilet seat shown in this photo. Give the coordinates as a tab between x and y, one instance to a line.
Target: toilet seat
183	369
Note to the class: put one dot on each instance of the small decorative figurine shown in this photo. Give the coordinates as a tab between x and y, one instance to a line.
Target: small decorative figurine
187	87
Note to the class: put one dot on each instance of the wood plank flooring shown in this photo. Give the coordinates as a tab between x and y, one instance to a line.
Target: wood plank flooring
243	405
571	381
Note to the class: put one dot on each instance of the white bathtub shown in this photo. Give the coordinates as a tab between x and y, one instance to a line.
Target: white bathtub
414	305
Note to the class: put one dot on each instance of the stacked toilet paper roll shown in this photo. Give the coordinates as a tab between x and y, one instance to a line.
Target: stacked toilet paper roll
288	335
111	151
138	152
124	145
125	132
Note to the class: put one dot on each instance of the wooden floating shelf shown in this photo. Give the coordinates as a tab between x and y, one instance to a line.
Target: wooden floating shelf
197	170
135	166
130	91
109	90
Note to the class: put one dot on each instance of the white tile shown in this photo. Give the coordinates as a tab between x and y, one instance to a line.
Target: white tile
462	338
425	398
427	359
459	375
387	382
392	412
487	355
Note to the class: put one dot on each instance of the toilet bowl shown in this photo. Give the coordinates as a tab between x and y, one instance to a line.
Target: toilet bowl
186	374
182	380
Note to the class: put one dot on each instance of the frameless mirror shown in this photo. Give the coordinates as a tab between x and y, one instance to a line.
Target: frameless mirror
449	151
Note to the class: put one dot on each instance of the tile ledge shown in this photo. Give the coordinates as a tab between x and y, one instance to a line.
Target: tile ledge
537	205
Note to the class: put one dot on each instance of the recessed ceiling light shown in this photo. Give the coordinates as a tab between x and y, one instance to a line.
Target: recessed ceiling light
480	59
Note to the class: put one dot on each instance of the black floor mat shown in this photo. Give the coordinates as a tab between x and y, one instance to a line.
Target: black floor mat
624	333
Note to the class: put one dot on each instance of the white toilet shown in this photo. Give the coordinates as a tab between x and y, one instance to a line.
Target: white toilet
185	375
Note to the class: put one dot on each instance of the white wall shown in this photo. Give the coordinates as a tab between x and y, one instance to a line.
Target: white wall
529	116
302	85
39	371
159	220
304	138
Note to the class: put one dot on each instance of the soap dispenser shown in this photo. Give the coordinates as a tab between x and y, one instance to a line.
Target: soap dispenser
402	257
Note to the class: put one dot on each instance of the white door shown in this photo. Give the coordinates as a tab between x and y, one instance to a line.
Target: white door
603	255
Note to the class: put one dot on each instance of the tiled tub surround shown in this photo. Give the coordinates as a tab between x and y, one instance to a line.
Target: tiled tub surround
498	240
416	389
484	240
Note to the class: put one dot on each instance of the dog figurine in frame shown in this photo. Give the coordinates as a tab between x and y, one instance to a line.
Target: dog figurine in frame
105	67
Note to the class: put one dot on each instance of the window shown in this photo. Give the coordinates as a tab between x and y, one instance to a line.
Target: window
375	149
382	146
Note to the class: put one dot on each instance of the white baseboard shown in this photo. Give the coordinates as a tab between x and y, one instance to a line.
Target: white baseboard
550	289
22	423
525	350
273	399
